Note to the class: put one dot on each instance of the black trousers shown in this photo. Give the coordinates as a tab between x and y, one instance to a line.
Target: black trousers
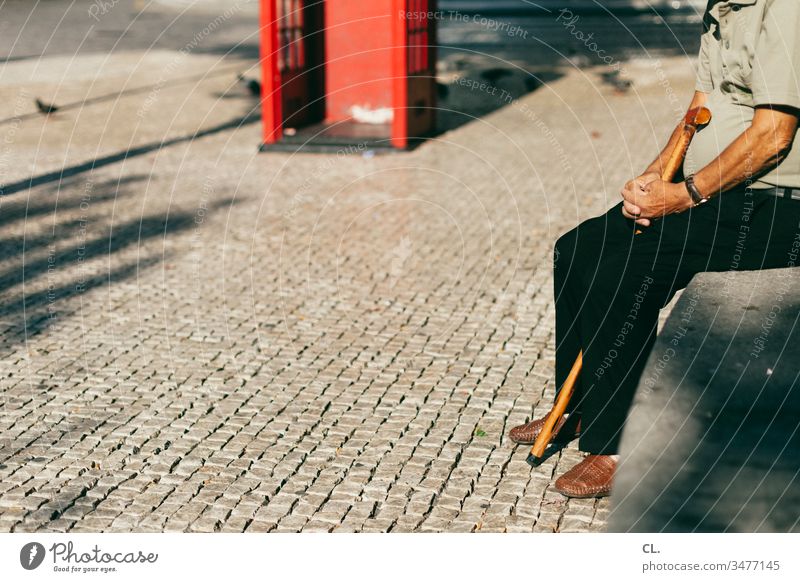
610	285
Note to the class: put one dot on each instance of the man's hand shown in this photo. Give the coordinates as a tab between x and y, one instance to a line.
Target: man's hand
656	199
637	185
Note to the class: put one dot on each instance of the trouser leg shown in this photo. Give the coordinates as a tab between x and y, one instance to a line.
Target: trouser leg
620	326
603	235
618	322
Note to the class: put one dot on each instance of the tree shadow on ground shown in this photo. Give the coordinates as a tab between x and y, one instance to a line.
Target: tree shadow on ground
120	156
46	262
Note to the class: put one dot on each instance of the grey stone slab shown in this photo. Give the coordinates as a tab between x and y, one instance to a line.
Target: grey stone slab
712	443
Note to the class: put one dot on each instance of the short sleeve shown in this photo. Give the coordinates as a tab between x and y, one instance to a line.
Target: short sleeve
703	82
776	63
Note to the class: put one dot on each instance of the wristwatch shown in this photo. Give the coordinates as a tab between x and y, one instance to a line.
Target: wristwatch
697	198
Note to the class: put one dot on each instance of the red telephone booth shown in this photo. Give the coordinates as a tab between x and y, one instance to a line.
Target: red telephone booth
341	73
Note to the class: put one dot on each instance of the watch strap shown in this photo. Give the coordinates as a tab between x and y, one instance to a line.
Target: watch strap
697	198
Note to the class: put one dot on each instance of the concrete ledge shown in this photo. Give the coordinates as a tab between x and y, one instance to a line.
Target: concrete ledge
713	442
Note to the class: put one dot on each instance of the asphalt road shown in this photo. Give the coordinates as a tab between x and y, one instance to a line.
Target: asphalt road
58	27
30	29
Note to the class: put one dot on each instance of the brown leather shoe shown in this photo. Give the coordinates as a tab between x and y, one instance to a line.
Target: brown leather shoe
566	429
590	478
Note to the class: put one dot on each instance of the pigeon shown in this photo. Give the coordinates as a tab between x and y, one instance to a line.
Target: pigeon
460	64
613	78
253	85
45	108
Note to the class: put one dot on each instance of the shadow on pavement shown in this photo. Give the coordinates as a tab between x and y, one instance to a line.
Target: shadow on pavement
46	262
74	170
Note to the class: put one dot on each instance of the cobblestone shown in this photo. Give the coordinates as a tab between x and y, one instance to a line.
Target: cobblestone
211	339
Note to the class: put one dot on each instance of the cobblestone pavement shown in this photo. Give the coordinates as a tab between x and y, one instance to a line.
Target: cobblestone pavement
198	337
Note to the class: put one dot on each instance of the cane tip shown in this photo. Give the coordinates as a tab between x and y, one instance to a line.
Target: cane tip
534	461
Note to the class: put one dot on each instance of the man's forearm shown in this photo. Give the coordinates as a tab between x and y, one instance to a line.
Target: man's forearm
759	149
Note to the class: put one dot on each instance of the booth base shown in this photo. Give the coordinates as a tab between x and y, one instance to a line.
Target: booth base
343	136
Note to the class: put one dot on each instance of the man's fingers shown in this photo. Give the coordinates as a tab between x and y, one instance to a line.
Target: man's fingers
626	189
635	217
633	193
631	208
639	221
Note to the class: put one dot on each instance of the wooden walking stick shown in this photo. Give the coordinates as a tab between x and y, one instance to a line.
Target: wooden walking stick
695	118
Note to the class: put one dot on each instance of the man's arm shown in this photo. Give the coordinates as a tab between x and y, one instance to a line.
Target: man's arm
759	149
775	86
656	167
703	86
763	146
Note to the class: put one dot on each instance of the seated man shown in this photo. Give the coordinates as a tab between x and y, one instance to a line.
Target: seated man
738	209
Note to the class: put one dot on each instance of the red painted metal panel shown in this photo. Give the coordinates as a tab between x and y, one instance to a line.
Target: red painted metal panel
358	56
374	57
399	74
271	110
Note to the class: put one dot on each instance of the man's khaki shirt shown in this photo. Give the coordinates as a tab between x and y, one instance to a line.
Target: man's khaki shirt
749	56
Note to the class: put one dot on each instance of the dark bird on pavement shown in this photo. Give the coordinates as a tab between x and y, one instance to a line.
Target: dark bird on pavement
46	108
460	64
253	85
614	79
495	74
